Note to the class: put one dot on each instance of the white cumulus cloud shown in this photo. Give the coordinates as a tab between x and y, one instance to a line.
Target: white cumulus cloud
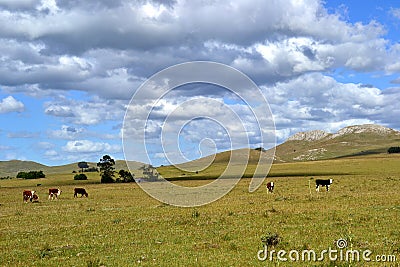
87	146
10	104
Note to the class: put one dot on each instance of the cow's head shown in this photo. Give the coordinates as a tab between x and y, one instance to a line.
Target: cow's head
330	181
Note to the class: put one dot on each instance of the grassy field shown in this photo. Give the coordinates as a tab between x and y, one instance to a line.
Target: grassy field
119	225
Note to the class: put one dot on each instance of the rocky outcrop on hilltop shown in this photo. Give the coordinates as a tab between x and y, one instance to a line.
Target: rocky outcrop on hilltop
366	128
314	135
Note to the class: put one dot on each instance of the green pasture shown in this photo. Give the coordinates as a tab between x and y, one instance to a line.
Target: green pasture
120	225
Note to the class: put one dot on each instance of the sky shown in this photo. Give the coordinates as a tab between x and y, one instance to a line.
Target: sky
69	69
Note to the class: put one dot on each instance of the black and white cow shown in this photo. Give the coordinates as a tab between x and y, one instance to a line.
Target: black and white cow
323	182
270	187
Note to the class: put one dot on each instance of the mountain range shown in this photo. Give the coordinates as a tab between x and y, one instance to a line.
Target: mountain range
351	141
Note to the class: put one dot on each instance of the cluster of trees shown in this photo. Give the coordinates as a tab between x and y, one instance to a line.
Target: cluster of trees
394	149
107	173
31	175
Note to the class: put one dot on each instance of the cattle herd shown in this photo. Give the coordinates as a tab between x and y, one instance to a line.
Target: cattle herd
54	193
319	182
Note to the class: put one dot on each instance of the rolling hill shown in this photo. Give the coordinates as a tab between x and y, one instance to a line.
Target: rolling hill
357	140
352	141
12	167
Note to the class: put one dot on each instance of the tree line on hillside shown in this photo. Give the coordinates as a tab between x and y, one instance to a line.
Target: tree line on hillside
107	172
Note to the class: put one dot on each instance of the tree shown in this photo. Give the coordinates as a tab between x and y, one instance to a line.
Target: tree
125	177
83	165
106	165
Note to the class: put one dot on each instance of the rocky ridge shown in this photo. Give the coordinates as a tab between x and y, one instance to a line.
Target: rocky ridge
316	135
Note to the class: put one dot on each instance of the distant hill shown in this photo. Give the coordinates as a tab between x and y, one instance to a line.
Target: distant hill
241	155
12	167
357	140
352	141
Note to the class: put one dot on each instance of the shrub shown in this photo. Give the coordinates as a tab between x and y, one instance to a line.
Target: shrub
260	149
271	240
31	175
394	149
80	176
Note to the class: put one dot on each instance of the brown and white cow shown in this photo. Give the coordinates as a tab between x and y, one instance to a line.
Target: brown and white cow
270	187
54	193
29	195
80	191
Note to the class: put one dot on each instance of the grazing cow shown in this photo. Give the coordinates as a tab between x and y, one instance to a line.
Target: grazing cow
35	197
54	193
270	187
29	195
80	191
323	182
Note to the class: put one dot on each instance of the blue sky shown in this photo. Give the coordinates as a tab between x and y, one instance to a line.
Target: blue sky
69	69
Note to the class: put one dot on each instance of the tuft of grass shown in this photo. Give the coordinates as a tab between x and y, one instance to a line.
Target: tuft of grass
117	221
271	239
45	251
195	214
94	263
18	213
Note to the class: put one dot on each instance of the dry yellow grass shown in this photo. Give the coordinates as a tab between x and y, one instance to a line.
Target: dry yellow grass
119	225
